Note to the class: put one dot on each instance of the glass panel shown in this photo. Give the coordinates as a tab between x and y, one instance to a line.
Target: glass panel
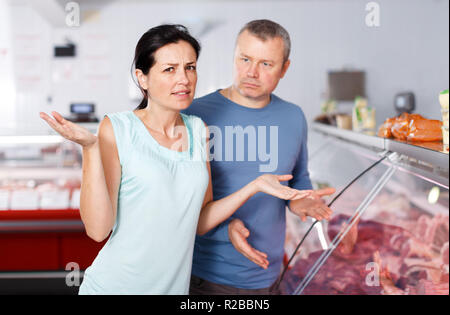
399	244
319	240
39	172
332	155
349	159
38	152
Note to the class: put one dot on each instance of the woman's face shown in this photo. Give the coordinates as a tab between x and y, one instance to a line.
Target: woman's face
171	81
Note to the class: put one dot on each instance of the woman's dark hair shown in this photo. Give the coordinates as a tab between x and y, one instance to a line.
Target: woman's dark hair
154	39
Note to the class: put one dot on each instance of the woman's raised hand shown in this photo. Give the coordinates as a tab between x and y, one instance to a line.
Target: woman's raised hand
270	184
69	130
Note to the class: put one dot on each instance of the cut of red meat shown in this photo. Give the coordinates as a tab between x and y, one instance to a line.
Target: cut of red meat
406	262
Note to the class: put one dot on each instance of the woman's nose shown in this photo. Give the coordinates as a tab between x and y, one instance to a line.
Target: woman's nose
182	77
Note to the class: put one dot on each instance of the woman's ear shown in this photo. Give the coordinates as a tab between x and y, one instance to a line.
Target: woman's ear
142	79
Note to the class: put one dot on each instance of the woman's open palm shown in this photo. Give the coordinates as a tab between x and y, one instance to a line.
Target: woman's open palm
270	184
69	130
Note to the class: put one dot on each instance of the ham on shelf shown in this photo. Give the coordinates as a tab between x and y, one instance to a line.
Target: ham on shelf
411	127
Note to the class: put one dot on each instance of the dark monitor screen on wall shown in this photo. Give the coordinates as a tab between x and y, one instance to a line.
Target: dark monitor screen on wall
82	108
346	85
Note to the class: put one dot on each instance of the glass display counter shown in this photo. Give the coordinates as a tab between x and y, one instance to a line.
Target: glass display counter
389	232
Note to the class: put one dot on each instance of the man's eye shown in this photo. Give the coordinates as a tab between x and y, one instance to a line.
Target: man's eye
266	64
245	59
192	68
171	69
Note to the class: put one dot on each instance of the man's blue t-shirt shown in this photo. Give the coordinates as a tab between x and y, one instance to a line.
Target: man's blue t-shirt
246	143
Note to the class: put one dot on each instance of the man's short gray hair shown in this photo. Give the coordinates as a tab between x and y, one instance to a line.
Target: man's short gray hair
266	29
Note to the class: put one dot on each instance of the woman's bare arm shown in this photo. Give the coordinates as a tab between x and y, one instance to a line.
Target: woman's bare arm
101	173
100	184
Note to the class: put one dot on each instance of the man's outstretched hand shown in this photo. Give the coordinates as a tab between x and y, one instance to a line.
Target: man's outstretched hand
311	206
238	234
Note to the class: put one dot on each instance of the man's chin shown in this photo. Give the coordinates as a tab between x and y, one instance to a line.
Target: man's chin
248	91
254	95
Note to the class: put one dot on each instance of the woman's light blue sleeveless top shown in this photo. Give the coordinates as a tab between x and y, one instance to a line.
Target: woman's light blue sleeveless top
160	198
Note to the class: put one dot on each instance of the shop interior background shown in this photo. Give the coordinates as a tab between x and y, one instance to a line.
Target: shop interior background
407	51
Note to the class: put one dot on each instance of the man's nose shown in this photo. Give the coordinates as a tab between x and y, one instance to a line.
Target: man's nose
252	71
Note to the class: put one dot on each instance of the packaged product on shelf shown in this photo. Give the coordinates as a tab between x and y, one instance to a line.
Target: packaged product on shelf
443	99
57	194
70	184
445	117
445	137
4	199
51	199
328	107
363	117
75	199
25	199
344	121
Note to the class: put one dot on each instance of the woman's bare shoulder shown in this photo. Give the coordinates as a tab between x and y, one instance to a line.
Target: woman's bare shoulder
106	132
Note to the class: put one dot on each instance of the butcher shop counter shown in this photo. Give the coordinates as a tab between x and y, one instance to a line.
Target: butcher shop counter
389	232
42	237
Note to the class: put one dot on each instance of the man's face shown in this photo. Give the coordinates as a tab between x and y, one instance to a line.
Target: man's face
258	65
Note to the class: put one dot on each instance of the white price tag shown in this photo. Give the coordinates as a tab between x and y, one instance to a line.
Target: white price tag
54	199
26	199
4	199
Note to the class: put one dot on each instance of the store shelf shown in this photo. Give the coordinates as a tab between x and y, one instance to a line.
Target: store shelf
14	221
420	153
37	133
417	152
40	173
359	138
60	214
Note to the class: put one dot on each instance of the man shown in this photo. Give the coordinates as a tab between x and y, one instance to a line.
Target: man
252	132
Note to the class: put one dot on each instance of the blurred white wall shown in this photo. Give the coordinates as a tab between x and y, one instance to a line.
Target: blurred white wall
409	51
7	86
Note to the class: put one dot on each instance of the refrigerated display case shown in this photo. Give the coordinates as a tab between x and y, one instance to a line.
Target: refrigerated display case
42	237
389	232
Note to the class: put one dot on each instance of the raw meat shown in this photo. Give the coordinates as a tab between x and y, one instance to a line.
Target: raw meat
375	258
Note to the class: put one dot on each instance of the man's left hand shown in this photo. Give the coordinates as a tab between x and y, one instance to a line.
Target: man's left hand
313	206
238	234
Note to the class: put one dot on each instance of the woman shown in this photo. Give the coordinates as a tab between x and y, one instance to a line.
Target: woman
146	177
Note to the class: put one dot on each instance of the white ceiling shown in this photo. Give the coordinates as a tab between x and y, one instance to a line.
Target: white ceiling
54	10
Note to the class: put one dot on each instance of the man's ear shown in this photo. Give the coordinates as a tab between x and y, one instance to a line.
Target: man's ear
286	65
142	79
